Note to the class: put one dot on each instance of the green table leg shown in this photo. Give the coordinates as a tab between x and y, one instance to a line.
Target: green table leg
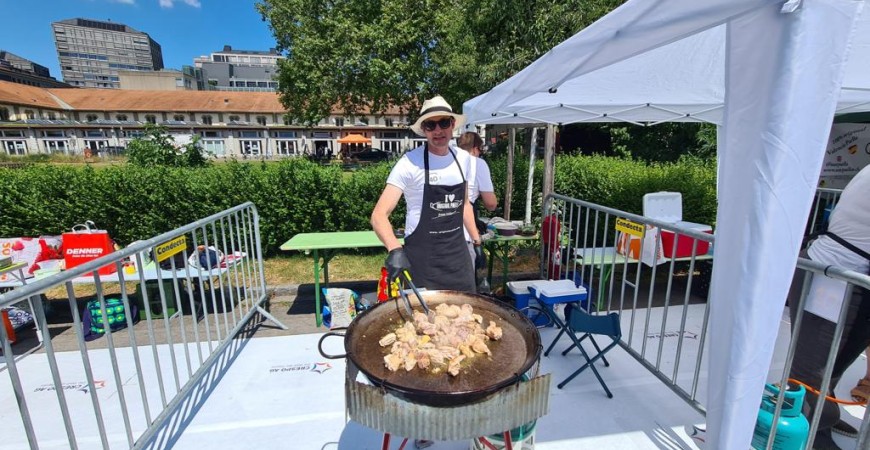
317	316
327	255
504	266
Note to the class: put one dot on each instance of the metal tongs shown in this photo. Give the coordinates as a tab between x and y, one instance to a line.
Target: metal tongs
407	301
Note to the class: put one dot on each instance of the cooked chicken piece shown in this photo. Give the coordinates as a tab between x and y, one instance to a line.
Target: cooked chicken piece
387	340
441	321
420	319
393	362
407	333
493	331
466	310
410	362
423	360
429	329
449	352
477	318
466	350
435	356
480	347
453	366
449	311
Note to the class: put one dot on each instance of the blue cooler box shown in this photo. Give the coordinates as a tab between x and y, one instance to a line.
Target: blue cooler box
552	292
519	291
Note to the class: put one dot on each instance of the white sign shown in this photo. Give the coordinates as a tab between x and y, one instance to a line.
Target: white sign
847	153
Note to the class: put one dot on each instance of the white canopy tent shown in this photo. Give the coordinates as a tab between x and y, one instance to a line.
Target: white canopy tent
770	72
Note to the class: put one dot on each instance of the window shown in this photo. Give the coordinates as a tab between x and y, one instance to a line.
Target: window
121	117
178	118
388	122
151	118
233	118
261	120
55	146
12	133
15	147
206	120
339	121
285	134
287	120
211	134
287	148
52	115
91	118
214	147
249	134
53	133
29	114
250	147
4	114
94	133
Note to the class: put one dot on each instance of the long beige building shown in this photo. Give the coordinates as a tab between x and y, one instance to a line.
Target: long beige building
230	124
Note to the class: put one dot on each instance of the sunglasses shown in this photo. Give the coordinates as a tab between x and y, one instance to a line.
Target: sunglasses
429	125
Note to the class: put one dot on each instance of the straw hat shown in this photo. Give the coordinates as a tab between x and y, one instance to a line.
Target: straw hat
436	107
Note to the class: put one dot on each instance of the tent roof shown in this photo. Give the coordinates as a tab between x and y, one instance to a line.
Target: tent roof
354	138
681	81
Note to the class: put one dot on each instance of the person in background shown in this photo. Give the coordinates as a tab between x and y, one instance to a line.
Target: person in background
481	181
845	244
861	392
433	179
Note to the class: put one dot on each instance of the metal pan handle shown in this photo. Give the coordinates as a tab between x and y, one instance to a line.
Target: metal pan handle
334	332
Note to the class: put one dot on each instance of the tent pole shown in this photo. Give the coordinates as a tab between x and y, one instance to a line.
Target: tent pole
549	160
509	180
531	183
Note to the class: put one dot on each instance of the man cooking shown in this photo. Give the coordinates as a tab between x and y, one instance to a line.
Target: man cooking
433	180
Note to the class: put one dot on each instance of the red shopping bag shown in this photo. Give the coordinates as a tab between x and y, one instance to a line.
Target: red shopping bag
84	244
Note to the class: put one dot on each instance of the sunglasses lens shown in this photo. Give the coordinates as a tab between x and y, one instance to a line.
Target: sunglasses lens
429	125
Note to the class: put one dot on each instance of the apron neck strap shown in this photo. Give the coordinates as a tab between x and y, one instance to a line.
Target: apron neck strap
426	162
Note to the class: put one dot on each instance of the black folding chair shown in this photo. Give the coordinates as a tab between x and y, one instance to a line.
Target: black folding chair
580	322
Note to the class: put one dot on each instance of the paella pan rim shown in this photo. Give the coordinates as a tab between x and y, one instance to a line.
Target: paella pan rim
518	322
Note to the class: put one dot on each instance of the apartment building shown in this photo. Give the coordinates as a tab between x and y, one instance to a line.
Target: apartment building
91	52
230	124
240	70
17	69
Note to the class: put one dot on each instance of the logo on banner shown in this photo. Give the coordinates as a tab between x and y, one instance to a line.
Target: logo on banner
318	367
80	386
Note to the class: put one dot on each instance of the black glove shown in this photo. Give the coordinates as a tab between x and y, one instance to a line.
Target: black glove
479	257
396	263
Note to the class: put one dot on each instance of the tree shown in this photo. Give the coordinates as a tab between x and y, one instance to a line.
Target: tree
156	147
376	54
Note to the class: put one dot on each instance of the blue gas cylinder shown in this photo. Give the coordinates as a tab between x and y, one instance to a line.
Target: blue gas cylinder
792	428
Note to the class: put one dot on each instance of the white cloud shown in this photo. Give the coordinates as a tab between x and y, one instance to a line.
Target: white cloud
171	3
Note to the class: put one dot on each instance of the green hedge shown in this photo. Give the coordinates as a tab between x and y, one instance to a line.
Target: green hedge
297	196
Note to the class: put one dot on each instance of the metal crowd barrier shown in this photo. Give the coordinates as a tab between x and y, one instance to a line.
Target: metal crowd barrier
667	301
823	204
189	313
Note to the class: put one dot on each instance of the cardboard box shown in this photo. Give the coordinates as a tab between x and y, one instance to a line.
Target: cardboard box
668	207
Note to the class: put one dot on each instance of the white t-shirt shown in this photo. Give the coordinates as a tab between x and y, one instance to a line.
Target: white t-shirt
408	175
851	221
482	179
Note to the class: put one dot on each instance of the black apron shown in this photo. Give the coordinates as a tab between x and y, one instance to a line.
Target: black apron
437	248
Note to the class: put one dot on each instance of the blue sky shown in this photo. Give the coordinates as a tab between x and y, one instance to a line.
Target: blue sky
185	29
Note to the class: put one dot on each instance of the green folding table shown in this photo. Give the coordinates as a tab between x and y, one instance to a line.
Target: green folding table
325	245
499	247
